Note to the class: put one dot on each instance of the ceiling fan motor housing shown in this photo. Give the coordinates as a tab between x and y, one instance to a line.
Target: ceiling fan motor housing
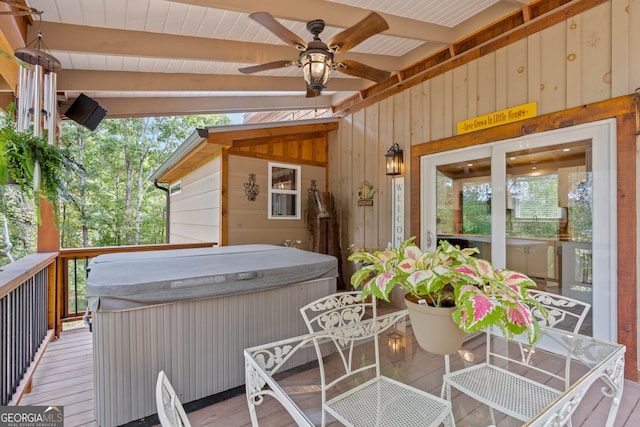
317	63
315	27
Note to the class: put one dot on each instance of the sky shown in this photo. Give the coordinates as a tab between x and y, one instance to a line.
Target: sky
236	118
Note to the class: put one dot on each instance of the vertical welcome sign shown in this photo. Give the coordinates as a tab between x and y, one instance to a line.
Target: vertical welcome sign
398	211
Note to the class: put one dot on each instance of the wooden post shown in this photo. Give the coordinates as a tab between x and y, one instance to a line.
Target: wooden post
49	241
48	234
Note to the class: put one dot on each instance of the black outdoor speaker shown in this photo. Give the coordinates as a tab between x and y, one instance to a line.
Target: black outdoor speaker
86	111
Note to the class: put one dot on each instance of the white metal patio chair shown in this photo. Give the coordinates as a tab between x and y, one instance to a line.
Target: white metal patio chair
507	391
170	410
357	394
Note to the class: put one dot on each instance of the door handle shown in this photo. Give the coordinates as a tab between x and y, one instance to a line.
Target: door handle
429	238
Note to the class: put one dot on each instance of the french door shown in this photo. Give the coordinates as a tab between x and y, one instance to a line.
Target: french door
541	204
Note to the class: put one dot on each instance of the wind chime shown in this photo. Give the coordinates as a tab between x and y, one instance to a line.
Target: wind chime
37	94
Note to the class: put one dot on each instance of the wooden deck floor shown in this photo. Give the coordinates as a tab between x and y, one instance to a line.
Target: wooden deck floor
65	377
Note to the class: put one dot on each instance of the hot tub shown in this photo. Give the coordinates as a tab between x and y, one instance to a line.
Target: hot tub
191	313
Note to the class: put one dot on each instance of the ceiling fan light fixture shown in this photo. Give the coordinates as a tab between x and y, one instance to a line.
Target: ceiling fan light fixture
316	68
316	58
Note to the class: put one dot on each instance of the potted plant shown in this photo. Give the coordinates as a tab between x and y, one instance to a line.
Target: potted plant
37	167
465	293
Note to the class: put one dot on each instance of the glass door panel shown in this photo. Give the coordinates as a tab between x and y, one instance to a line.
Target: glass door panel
548	218
463	204
540	204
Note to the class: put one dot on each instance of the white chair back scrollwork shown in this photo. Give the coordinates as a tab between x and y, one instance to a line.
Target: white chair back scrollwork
336	310
356	394
564	313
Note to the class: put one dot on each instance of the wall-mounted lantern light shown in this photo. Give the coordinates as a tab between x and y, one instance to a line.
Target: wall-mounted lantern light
394	160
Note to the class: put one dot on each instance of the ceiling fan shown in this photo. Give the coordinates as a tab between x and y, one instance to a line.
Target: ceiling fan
316	58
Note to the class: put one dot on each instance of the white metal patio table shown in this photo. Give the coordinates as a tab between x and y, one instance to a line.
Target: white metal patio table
600	360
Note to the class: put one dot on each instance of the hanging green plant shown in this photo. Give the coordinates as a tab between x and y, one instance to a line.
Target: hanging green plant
37	167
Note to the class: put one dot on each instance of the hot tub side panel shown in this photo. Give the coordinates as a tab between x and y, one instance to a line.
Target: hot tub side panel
198	343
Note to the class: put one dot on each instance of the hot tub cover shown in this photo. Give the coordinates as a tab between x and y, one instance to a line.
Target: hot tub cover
125	281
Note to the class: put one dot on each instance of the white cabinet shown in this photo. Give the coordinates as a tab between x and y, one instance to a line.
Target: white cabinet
535	258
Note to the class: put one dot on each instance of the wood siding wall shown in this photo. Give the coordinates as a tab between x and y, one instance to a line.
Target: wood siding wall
587	58
213	206
566	65
195	211
247	220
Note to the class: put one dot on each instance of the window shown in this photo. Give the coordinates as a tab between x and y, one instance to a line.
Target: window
535	196
284	191
175	188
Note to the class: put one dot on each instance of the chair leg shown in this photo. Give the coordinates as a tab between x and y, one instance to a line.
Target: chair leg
252	412
446	392
493	417
450	421
446	389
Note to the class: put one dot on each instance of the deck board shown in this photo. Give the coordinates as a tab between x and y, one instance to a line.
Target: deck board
65	377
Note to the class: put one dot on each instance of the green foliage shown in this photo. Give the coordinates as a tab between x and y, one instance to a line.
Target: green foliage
110	200
21	221
39	168
452	277
476	202
114	202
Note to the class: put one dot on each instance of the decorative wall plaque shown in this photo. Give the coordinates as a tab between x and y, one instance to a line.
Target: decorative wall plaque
365	194
251	189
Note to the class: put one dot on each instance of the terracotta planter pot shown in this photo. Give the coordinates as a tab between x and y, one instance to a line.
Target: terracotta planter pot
434	327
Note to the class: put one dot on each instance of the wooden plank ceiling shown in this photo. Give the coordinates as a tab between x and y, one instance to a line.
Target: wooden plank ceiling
165	57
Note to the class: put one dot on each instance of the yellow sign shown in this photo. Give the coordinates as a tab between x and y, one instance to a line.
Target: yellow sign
510	115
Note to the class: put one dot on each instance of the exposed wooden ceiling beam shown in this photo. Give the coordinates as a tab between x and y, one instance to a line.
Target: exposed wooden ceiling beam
171	106
334	14
8	67
13	32
81	80
107	41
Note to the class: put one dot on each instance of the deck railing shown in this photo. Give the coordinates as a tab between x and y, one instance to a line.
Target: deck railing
38	293
25	327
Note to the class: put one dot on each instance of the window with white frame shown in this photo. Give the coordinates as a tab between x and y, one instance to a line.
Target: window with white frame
284	191
175	188
535	196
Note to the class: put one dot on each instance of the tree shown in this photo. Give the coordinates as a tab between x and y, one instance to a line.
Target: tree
116	202
112	202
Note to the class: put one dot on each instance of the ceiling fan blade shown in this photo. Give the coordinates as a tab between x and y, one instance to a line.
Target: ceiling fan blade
352	36
354	68
269	22
267	66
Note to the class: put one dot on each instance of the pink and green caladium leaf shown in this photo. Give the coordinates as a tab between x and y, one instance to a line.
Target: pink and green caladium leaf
474	310
514	278
382	285
361	275
467	274
520	320
412	252
363	257
485	269
407	266
423	282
